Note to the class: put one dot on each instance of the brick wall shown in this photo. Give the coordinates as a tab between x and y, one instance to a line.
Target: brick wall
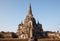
27	39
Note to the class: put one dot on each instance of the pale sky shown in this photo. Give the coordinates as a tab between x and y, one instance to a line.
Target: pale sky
12	12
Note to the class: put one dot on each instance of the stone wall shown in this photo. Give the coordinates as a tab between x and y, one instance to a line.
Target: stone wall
13	39
48	39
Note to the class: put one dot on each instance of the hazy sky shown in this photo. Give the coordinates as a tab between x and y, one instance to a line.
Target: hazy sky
12	12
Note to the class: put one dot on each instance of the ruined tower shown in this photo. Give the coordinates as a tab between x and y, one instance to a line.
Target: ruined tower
29	28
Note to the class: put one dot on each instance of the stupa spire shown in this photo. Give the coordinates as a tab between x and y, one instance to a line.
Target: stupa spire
30	11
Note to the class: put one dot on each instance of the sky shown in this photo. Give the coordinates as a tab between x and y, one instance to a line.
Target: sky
13	12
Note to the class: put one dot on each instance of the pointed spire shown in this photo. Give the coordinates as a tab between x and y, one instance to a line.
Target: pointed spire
38	22
30	11
21	22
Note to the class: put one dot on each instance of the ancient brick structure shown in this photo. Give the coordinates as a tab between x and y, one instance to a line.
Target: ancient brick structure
8	35
30	28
